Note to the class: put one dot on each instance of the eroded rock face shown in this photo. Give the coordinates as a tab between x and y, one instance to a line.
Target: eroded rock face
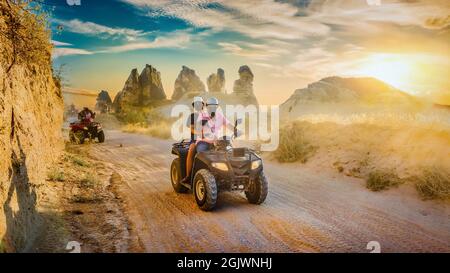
243	87
216	82
31	115
187	82
140	90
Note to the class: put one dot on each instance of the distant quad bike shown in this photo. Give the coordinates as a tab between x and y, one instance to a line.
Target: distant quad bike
80	131
223	168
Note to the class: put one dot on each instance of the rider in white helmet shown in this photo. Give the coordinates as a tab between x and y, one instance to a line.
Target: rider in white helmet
194	123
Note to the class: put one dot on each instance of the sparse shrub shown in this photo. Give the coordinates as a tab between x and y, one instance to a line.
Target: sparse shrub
382	180
89	181
80	162
434	183
133	115
77	160
25	35
55	175
293	145
2	247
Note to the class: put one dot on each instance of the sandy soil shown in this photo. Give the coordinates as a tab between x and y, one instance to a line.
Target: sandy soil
307	209
90	213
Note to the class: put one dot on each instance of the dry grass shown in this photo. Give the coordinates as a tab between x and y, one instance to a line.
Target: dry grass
434	183
89	181
155	125
56	175
76	159
293	145
160	130
382	180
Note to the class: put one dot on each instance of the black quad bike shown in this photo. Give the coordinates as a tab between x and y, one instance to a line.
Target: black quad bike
222	168
79	131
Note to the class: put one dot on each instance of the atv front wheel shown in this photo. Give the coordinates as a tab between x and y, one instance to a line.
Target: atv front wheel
175	176
205	190
72	137
257	190
77	137
101	137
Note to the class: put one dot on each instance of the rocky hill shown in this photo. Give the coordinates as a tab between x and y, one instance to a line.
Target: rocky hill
140	89
334	92
31	112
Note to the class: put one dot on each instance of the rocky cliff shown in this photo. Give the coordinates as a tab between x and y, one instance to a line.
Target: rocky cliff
31	112
216	81
140	90
187	82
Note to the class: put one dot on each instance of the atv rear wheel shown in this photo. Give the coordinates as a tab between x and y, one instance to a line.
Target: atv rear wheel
205	190
101	137
175	176
257	190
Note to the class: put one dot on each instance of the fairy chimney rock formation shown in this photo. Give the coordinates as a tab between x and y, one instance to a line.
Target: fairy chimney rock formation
187	82
140	90
216	81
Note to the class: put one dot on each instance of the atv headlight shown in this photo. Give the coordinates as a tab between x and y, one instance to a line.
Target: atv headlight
220	166
256	164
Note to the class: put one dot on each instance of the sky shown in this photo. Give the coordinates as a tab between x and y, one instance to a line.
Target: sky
287	43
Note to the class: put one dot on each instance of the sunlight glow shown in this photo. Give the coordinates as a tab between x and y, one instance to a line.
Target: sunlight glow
395	70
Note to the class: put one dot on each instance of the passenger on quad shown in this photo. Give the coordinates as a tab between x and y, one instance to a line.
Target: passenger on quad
216	126
195	122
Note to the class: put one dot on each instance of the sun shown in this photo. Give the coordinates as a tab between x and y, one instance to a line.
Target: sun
393	69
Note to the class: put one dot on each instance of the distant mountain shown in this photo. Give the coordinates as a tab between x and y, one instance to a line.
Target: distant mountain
351	92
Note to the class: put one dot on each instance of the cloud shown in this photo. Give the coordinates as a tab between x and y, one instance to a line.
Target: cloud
57	43
170	40
93	29
254	18
438	23
253	50
176	39
293	20
303	36
66	51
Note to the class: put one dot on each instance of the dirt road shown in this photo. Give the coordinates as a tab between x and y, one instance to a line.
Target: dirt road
306	210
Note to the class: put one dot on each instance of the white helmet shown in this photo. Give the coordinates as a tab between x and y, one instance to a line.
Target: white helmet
212	101
197	99
212	104
198	103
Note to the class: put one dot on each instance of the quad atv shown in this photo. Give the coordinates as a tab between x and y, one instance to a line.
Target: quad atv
222	168
81	130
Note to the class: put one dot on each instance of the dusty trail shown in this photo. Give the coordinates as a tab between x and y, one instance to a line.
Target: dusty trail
306	210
